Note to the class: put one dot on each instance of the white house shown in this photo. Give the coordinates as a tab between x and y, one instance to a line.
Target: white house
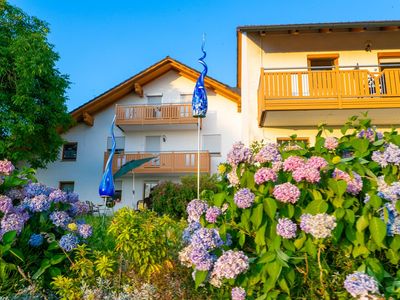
153	119
293	77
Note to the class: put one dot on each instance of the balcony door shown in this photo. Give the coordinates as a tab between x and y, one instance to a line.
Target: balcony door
153	146
154	110
321	79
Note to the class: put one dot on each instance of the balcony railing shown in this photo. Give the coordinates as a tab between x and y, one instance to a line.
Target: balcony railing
155	114
164	162
332	89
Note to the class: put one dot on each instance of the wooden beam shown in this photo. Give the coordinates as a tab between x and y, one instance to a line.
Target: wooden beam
390	28
88	119
325	30
357	29
138	89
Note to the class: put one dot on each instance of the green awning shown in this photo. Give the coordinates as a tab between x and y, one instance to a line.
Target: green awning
130	165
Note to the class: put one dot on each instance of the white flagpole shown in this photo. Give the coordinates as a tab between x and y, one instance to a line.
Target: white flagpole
198	158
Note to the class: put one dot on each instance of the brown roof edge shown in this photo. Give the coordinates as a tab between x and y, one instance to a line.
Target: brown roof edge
311	26
154	71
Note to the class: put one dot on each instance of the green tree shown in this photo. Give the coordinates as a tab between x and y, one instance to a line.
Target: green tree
32	90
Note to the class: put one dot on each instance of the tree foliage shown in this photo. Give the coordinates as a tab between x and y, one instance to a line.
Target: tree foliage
32	90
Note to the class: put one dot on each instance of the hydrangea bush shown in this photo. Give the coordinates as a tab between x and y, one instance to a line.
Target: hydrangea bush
302	222
38	224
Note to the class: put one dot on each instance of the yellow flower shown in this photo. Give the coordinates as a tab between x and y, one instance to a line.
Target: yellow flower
221	169
72	226
336	160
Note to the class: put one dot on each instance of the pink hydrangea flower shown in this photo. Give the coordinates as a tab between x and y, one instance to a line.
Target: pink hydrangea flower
317	162
286	192
212	214
232	177
6	167
306	173
331	143
265	174
292	163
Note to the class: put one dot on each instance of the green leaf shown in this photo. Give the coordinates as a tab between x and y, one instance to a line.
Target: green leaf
260	235
242	238
317	207
56	259
245	219
270	207
299	242
18	254
283	285
361	145
375	201
376	267
395	243
274	270
362	223
9	237
199	278
338	186
359	250
349	217
257	216
219	199
54	272
267	257
377	229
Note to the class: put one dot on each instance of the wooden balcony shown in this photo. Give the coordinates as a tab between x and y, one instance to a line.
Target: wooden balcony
163	114
357	90
165	162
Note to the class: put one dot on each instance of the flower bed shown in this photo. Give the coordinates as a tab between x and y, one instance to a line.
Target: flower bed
309	222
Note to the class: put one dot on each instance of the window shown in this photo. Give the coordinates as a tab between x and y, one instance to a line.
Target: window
117	196
69	151
120	144
186	98
212	143
154	99
66	186
148	188
389	60
389	63
323	62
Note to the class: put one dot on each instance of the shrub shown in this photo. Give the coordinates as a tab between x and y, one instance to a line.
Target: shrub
38	226
171	198
295	222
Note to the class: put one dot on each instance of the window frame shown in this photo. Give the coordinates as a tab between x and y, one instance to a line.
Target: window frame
61	183
63	158
333	56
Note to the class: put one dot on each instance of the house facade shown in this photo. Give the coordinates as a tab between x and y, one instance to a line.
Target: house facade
153	119
294	77
290	79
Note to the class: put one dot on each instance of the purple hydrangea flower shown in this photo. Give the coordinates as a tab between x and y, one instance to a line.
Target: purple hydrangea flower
331	143
60	218
16	194
269	153
359	284
389	192
370	134
244	198
6	204
202	259
292	163
319	226
286	192
58	196
354	185
207	238
6	167
189	230
36	189
72	197
212	214
393	222
286	228
69	242
78	208
238	293
239	153
36	240
390	155
195	209
265	174
85	230
13	221
230	264
38	203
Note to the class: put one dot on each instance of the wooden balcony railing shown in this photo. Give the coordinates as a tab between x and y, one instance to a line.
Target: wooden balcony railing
333	89
155	114
165	162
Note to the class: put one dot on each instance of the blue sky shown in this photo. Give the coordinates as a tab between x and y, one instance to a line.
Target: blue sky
102	43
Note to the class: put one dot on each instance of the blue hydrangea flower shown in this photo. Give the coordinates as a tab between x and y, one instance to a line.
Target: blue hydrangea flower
38	203
36	240
359	284
69	242
60	218
58	196
85	230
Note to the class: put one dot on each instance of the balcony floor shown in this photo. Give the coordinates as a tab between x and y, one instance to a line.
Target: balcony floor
337	117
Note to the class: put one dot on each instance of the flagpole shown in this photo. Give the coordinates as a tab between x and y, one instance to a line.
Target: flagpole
198	158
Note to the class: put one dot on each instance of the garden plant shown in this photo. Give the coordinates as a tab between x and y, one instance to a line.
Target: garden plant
302	221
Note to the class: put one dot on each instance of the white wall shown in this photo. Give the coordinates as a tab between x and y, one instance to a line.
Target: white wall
86	171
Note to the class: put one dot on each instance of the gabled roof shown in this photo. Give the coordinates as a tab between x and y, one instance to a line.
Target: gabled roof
136	82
